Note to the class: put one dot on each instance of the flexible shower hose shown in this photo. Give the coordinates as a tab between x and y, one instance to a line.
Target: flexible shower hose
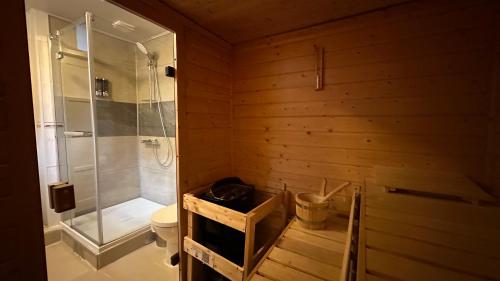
155	87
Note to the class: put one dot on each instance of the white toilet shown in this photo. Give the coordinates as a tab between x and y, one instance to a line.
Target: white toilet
164	224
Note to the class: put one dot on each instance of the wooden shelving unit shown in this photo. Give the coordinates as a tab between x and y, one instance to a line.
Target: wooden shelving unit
268	204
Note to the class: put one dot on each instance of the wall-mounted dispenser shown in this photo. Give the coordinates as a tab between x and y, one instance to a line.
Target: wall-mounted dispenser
102	87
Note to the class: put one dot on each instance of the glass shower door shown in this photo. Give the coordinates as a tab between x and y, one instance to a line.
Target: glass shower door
75	108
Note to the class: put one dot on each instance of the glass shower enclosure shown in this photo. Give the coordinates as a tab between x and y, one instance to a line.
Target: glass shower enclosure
75	108
96	79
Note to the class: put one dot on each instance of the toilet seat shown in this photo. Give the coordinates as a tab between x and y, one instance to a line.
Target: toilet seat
165	217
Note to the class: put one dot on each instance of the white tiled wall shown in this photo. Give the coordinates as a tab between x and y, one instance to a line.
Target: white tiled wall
163	49
118	169
43	108
81	172
157	183
114	60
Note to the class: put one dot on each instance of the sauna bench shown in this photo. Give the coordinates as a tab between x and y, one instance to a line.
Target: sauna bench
408	237
308	255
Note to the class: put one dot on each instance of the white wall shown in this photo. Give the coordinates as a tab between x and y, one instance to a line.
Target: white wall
157	183
43	107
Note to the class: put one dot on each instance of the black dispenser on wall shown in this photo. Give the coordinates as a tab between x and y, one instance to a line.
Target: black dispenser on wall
102	87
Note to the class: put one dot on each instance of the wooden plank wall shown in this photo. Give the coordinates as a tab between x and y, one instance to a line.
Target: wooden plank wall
204	132
494	126
207	111
205	147
408	86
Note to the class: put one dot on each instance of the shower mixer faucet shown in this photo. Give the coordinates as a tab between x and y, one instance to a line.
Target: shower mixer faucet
150	141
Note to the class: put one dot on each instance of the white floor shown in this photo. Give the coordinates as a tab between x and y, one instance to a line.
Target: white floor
117	220
145	264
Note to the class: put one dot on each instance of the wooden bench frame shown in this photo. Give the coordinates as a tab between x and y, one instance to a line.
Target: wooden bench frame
409	236
242	222
344	272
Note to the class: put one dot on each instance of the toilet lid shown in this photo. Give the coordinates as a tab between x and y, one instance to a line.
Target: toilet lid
165	217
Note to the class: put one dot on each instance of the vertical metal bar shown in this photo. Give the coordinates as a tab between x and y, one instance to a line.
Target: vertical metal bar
319	67
69	215
93	116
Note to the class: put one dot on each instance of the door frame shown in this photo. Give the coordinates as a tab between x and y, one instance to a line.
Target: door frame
24	258
23	255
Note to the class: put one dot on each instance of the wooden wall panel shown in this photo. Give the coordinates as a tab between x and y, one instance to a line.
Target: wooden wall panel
493	148
408	86
204	117
255	19
208	96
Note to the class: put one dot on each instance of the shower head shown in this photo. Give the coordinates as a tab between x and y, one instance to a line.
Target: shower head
151	56
142	48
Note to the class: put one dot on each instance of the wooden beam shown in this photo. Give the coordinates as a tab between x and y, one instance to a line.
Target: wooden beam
264	209
344	274
215	212
303	263
429	181
249	245
214	260
400	268
277	271
361	270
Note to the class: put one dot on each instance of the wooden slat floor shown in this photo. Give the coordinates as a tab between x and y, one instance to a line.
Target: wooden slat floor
306	255
407	237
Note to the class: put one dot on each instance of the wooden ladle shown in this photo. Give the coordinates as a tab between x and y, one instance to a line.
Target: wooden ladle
333	192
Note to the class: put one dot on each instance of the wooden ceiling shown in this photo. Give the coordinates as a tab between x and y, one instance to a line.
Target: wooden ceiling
243	20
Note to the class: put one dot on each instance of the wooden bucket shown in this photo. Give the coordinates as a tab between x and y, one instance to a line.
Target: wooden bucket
311	211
